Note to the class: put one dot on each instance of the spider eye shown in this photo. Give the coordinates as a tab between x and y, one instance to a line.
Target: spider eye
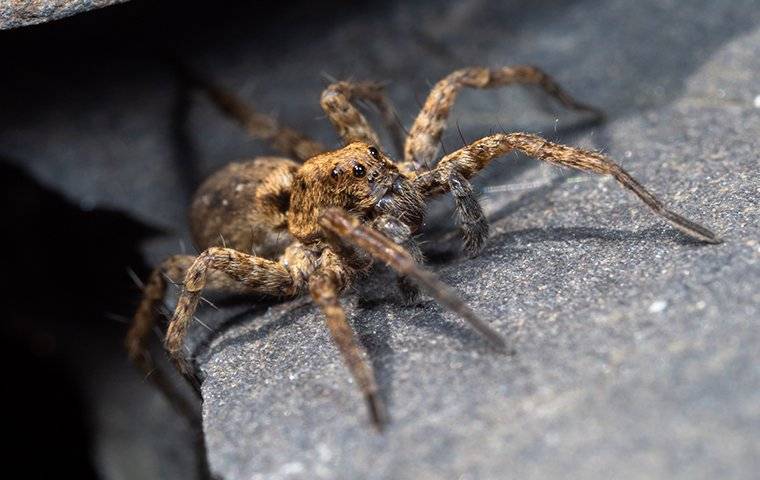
335	173
359	170
374	152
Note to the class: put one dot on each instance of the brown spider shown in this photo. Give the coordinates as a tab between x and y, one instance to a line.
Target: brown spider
313	224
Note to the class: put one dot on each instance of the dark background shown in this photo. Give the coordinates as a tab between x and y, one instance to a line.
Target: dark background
68	292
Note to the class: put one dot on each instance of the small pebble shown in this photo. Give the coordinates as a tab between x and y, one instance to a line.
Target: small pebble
658	306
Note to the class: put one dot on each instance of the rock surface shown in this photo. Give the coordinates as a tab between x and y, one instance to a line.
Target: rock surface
635	350
20	13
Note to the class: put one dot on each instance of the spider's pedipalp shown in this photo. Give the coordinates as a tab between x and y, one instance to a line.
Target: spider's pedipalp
424	137
351	230
469	160
472	220
401	234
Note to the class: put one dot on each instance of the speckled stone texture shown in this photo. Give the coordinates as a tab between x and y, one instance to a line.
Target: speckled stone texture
19	13
635	350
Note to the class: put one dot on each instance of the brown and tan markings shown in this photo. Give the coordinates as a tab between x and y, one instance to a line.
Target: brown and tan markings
309	222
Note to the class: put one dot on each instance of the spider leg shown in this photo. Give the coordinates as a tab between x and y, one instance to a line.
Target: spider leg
424	137
337	102
142	326
148	310
258	125
351	230
171	270
472	220
467	161
325	285
258	274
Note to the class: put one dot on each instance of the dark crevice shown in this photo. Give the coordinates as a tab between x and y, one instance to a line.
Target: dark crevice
66	275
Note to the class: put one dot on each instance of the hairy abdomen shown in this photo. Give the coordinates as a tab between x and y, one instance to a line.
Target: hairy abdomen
244	206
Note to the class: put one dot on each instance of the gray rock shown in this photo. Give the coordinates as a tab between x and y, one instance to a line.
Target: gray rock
635	349
20	13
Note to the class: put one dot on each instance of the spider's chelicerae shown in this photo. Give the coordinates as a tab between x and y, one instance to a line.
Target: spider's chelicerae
313	220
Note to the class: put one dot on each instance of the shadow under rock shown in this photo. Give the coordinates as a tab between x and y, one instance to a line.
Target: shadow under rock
65	268
184	151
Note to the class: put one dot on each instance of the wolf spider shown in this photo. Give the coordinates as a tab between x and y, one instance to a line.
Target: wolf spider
315	219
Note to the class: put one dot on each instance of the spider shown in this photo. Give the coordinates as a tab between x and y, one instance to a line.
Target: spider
316	219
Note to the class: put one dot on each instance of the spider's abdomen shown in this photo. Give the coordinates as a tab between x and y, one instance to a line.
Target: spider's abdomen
244	206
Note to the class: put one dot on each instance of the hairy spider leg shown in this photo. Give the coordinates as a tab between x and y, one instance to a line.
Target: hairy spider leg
171	271
338	103
286	140
467	161
424	137
260	275
350	229
325	285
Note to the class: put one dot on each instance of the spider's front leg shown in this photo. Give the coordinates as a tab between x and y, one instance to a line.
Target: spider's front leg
331	278
325	285
467	161
337	102
350	230
258	274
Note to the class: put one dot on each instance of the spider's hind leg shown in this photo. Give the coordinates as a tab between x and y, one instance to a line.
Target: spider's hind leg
286	140
171	271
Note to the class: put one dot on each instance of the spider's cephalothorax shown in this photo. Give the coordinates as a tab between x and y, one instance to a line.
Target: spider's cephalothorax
358	179
310	222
